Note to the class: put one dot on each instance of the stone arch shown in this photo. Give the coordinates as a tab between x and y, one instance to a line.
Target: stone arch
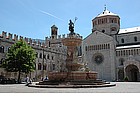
132	72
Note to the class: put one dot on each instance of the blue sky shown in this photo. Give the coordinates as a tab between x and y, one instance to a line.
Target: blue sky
33	18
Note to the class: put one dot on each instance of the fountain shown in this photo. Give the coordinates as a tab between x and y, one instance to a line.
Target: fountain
77	74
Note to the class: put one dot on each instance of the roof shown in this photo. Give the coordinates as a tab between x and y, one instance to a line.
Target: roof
54	26
128	47
106	13
128	30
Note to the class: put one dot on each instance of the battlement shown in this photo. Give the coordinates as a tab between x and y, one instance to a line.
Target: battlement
37	42
14	37
64	36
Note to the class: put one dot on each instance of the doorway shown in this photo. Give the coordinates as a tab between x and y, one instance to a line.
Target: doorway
132	72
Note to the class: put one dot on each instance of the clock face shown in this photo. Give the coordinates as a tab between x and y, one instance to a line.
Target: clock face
98	59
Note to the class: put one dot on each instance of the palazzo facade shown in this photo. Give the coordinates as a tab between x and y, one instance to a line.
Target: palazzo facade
51	54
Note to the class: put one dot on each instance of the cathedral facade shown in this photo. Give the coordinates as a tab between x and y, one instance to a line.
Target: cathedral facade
112	52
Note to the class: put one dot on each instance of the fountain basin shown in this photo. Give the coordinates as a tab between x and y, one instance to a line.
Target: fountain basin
73	75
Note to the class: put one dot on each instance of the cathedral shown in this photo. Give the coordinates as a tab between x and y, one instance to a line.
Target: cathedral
112	52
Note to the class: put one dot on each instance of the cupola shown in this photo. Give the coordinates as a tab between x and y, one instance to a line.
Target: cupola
106	22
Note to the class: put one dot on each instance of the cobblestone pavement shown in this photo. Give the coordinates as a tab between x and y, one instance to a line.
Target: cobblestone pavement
121	87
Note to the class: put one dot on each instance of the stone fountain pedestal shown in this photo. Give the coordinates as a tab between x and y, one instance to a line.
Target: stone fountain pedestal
73	66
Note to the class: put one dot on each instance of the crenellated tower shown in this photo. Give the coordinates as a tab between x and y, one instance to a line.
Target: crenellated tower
54	32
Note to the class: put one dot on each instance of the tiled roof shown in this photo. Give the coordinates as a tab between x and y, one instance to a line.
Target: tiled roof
106	13
128	30
128	47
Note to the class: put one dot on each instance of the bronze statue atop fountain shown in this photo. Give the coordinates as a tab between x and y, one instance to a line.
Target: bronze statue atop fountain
71	27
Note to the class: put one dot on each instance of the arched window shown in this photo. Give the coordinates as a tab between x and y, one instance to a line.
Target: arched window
44	56
48	56
53	66
8	49
122	40
86	48
36	54
113	29
135	39
1	49
39	66
44	67
40	55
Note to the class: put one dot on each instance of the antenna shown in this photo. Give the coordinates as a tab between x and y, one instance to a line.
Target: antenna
105	7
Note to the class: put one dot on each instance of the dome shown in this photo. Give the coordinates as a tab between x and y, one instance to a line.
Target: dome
106	22
106	13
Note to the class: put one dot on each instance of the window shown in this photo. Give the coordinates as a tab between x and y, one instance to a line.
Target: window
44	56
137	51
53	66
40	55
121	61
113	29
122	40
108	46
36	54
8	49
135	39
126	52
98	58
129	52
86	48
134	52
103	31
44	67
39	66
48	56
2	49
119	53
